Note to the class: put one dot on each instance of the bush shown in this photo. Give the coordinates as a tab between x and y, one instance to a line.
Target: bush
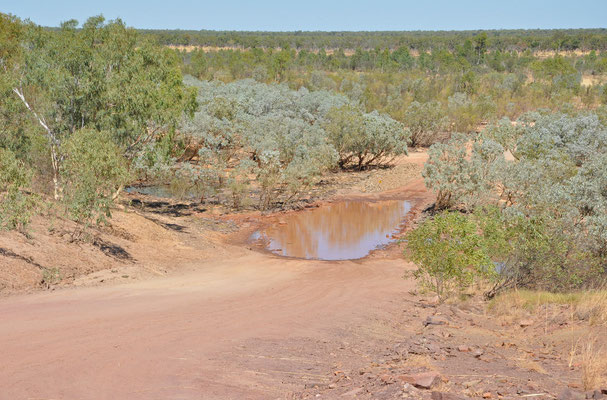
363	139
344	126
551	196
460	179
17	203
449	253
94	171
284	138
426	122
467	114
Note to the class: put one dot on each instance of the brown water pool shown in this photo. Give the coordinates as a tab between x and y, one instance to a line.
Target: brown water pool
343	230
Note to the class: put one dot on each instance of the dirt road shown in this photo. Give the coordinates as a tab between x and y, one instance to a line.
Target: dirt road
248	326
188	337
228	322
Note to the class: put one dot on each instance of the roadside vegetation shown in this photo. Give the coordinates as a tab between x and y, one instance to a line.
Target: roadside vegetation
79	104
456	84
539	216
265	144
517	133
88	109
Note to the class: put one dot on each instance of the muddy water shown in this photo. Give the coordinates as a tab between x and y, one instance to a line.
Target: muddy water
338	231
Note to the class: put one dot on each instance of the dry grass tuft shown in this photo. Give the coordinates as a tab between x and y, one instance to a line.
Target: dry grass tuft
592	307
588	306
423	361
593	365
530	365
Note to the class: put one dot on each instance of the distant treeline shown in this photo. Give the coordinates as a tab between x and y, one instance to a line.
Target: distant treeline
503	40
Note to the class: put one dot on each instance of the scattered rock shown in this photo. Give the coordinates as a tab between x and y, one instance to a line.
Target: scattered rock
477	353
568	394
433	348
445	396
487	395
434	321
525	323
316	385
424	380
463	349
409	389
353	392
471	383
574	385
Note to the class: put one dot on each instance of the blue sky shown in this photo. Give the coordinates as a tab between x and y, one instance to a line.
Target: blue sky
279	15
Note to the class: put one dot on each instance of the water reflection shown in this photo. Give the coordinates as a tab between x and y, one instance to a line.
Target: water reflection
338	231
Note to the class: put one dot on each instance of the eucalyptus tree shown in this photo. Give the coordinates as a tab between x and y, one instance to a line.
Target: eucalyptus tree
94	171
99	77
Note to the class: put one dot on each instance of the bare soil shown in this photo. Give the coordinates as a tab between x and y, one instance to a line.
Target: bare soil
172	303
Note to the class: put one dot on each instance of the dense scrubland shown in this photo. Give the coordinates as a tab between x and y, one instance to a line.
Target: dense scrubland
518	39
515	120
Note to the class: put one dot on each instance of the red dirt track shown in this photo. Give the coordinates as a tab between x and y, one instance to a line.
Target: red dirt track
252	326
174	338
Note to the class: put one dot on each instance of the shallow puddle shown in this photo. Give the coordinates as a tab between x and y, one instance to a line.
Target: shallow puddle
339	231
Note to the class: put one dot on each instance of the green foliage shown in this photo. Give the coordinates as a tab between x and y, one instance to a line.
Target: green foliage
552	201
93	173
283	138
465	114
79	103
449	253
461	179
426	122
198	65
101	77
552	68
17	203
531	252
383	139
475	43
344	125
364	139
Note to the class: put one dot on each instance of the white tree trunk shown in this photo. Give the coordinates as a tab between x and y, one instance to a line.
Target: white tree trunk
53	143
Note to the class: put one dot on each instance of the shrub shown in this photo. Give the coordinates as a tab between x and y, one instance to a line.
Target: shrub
284	138
383	139
466	114
449	253
363	139
462	179
17	203
343	126
94	171
552	196
426	122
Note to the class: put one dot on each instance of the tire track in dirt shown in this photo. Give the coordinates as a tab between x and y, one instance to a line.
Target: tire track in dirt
209	333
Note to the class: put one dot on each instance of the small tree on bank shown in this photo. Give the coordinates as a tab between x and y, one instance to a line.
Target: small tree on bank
449	253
